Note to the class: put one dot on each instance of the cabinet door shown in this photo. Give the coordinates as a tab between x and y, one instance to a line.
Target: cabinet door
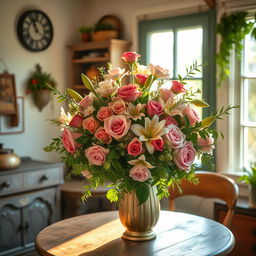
10	232
37	216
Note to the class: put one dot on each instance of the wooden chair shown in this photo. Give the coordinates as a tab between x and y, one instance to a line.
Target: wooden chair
212	185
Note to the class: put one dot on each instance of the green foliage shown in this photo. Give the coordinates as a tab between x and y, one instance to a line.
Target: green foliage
85	29
39	80
233	28
250	176
103	26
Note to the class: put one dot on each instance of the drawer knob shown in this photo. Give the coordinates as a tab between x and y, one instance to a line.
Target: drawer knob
5	184
44	178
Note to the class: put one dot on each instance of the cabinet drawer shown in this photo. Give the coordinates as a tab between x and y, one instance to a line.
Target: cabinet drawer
11	183
43	178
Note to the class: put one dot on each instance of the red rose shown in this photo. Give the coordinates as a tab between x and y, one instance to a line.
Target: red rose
158	144
76	121
130	57
134	148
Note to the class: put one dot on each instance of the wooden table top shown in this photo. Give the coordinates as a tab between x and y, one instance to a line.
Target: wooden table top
99	234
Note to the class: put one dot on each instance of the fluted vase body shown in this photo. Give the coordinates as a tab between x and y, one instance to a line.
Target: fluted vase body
139	219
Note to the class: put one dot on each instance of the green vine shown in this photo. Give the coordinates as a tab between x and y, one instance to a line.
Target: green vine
233	28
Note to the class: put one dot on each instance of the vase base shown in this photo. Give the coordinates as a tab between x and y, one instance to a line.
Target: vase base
139	236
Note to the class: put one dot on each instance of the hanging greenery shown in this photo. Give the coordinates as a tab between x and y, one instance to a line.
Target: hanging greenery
233	28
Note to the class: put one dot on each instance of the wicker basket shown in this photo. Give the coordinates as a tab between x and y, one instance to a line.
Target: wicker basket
104	35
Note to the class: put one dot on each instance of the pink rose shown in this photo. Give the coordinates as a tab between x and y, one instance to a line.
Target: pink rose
178	87
140	173
206	145
68	140
141	78
154	108
129	92
158	144
76	121
101	135
117	126
104	112
175	136
134	148
96	155
90	124
130	57
166	94
86	102
118	106
170	120
192	114
185	156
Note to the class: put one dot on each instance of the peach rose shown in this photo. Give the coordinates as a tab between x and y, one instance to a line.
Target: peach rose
96	155
86	102
154	108
68	141
117	126
118	106
90	124
185	156
206	145
165	94
140	173
175	136
104	112
101	135
129	92
158	71
158	144
192	114
130	57
134	148
178	87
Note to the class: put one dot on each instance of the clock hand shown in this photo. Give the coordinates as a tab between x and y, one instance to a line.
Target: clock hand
35	26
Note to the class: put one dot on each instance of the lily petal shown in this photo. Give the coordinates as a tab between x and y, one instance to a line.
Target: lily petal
149	147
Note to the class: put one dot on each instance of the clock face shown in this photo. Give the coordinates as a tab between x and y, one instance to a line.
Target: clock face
35	30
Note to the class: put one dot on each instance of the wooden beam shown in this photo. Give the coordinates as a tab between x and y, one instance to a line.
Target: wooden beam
210	3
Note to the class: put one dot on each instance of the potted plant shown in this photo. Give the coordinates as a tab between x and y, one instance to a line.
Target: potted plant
250	179
37	84
104	32
85	33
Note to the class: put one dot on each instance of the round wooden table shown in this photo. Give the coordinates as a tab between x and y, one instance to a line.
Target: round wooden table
99	234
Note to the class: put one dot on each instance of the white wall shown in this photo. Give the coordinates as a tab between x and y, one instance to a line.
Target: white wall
66	17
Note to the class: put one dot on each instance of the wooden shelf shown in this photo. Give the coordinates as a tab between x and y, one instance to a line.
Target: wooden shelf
90	60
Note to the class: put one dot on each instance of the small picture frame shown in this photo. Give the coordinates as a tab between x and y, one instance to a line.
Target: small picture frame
8	103
5	121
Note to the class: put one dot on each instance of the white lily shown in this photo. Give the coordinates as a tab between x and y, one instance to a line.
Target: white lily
158	71
141	161
153	130
64	118
106	88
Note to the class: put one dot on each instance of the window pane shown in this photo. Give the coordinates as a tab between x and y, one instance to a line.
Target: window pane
249	146
161	50
189	49
249	100
249	56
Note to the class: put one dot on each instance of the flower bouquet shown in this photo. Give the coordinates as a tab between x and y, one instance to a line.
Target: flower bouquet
132	136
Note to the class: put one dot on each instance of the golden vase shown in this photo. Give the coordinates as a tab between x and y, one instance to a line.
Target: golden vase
139	219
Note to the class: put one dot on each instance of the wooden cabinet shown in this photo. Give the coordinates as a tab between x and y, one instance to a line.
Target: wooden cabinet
29	201
243	227
91	55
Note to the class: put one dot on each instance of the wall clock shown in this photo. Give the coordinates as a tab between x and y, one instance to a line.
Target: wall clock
35	30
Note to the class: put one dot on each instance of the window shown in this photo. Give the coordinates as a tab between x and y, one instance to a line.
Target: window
176	43
248	103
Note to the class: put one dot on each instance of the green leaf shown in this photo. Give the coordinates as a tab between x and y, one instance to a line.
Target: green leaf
208	121
148	81
142	193
76	96
112	195
200	103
